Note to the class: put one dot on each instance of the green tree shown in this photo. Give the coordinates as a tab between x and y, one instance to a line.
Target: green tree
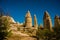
4	28
40	34
57	31
45	34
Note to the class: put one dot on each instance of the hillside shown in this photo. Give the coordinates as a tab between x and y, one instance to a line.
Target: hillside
17	34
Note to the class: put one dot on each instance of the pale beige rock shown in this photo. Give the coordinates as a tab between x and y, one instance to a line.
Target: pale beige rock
47	21
35	22
24	33
56	21
21	38
28	20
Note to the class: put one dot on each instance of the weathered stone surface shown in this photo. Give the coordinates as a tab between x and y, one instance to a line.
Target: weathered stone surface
56	21
25	30
47	21
21	38
35	22
28	20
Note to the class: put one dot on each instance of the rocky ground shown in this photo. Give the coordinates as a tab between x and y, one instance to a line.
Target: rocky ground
21	38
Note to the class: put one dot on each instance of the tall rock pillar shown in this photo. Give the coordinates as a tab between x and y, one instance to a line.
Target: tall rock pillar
47	21
28	20
56	21
35	22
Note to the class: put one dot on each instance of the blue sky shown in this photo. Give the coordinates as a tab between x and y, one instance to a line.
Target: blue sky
18	8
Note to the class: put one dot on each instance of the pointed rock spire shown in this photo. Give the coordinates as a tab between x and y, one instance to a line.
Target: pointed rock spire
35	22
56	17
46	14
56	21
47	21
28	14
28	20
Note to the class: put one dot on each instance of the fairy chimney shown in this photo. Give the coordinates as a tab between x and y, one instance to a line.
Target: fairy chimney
56	21
47	21
28	20
35	22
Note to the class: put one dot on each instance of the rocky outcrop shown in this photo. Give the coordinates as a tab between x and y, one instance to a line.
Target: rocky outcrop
28	20
47	21
21	38
56	21
35	22
25	31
